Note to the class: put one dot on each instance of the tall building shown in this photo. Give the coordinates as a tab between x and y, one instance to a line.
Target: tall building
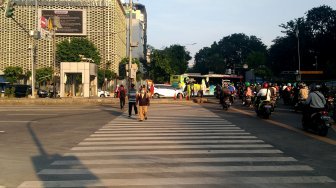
103	22
139	30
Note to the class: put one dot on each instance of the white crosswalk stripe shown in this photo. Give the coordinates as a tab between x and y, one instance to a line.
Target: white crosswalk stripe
188	146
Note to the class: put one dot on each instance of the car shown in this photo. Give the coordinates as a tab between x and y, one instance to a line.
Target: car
22	90
163	90
102	93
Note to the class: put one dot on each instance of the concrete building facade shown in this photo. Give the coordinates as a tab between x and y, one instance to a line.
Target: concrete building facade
139	30
104	25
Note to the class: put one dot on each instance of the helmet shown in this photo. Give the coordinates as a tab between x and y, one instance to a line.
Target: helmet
265	85
289	84
247	84
315	87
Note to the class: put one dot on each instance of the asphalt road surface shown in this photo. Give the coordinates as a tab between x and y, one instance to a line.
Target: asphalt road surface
178	146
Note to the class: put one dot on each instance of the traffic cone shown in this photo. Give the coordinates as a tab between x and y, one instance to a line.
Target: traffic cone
180	96
187	97
174	96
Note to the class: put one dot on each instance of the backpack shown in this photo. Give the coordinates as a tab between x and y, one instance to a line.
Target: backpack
122	93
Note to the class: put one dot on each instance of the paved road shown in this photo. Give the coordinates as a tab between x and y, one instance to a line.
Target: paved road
190	146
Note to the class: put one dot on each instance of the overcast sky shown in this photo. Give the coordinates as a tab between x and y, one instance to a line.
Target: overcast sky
186	22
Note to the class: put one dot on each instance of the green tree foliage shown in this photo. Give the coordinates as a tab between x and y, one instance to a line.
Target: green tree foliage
13	74
169	61
44	75
317	37
69	51
231	52
105	73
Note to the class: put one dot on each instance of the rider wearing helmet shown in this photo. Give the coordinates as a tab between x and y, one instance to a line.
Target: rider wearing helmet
315	102
264	93
225	92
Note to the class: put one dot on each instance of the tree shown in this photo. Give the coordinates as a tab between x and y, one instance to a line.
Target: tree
13	74
69	51
317	38
169	61
44	75
231	52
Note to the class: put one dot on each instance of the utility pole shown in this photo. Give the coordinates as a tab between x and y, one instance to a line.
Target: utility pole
130	41
298	41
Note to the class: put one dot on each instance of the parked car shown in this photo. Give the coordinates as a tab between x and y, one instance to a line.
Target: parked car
162	90
22	90
103	93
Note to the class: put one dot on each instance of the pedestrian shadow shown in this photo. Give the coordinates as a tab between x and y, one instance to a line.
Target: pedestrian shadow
56	175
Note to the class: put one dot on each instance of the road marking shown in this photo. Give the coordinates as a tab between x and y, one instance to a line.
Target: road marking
17	121
172	138
178	169
166	134
182	152
173	160
171	147
175	129
320	138
132	125
197	181
2	132
130	142
39	114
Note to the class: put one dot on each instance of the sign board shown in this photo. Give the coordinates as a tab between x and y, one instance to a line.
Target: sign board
69	22
134	69
311	72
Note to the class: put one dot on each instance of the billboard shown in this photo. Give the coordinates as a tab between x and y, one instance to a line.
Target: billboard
71	22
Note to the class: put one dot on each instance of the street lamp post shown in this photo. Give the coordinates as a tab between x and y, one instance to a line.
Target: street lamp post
298	41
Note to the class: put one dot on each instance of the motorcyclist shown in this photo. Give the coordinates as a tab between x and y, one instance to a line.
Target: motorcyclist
225	93
314	103
303	93
248	93
264	94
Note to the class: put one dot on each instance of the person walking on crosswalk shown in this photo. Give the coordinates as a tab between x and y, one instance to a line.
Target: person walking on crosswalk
143	99
132	95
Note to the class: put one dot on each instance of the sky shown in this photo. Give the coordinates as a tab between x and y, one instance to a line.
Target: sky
203	22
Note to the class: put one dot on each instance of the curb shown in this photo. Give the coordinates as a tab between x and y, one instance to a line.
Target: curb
86	101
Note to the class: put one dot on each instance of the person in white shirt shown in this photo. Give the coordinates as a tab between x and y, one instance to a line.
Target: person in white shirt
265	92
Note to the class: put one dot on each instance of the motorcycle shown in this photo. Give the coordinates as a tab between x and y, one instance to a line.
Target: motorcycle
319	122
299	106
247	101
264	109
226	103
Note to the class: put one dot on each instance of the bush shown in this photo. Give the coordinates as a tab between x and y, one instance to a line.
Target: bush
9	92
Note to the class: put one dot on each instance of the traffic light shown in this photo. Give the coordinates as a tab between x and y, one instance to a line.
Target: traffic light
9	8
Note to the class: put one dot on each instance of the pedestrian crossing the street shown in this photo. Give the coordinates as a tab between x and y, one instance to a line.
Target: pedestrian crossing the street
178	146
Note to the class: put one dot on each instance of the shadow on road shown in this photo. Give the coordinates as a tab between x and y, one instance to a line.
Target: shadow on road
48	179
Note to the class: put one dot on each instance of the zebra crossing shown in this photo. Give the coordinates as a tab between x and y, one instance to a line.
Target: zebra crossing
178	146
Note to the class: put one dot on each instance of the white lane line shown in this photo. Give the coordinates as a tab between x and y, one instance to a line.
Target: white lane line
175	128
172	138
168	123
18	121
2	132
174	160
39	114
172	121
166	134
118	142
93	148
122	131
165	152
197	181
180	125
186	169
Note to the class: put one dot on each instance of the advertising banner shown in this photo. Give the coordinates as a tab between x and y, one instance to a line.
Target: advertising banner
65	22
